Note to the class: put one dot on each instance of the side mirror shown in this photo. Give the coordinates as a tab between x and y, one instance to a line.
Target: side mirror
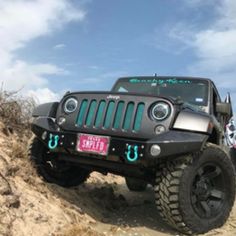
224	108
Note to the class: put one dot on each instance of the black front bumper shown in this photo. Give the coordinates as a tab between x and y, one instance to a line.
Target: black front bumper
172	143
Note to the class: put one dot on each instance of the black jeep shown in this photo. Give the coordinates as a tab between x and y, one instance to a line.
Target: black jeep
163	131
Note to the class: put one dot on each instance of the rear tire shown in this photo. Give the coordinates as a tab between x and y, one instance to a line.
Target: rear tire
197	196
135	185
51	169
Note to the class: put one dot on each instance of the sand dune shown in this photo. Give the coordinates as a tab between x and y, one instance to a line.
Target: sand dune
101	206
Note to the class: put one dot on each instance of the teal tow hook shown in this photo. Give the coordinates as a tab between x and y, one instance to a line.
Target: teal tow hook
53	141
132	151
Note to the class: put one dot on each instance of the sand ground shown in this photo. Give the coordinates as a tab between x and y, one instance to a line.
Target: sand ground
101	206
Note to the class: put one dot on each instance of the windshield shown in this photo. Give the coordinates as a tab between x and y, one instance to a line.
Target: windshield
193	91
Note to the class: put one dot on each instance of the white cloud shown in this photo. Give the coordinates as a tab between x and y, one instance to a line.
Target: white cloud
22	21
59	46
93	67
214	46
43	95
199	3
27	76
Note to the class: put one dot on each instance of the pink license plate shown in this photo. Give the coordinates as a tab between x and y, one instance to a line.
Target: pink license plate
93	144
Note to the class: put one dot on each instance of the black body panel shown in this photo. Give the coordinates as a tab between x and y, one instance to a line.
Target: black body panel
147	129
46	110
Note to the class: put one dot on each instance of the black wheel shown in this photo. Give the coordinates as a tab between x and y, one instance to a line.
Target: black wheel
135	185
197	194
52	170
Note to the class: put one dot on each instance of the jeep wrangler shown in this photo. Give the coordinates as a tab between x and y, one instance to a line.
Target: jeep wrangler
163	131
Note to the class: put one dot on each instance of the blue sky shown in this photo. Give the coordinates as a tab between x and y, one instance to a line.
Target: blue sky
50	46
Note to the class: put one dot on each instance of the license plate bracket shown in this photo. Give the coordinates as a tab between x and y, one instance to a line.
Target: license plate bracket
95	144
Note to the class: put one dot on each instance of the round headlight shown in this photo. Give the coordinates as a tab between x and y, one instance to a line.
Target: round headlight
160	111
70	105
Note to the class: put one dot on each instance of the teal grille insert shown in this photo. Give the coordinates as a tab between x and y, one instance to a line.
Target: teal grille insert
82	111
138	117
108	118
118	115
128	116
91	113
100	112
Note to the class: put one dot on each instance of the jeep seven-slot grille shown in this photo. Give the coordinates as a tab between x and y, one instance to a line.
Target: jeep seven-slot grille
110	114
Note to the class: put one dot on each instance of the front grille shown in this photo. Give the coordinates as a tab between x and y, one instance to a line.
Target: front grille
115	115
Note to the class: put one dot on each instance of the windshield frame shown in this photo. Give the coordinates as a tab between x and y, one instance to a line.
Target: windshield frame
150	79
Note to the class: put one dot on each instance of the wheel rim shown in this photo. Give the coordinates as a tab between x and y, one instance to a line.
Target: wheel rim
208	191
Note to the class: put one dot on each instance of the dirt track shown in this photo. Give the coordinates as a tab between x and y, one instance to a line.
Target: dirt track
101	206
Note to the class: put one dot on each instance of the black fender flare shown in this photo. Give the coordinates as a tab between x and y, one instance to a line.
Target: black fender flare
46	110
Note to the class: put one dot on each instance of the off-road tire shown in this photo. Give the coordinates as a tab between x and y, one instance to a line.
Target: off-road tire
232	153
135	185
175	193
64	175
